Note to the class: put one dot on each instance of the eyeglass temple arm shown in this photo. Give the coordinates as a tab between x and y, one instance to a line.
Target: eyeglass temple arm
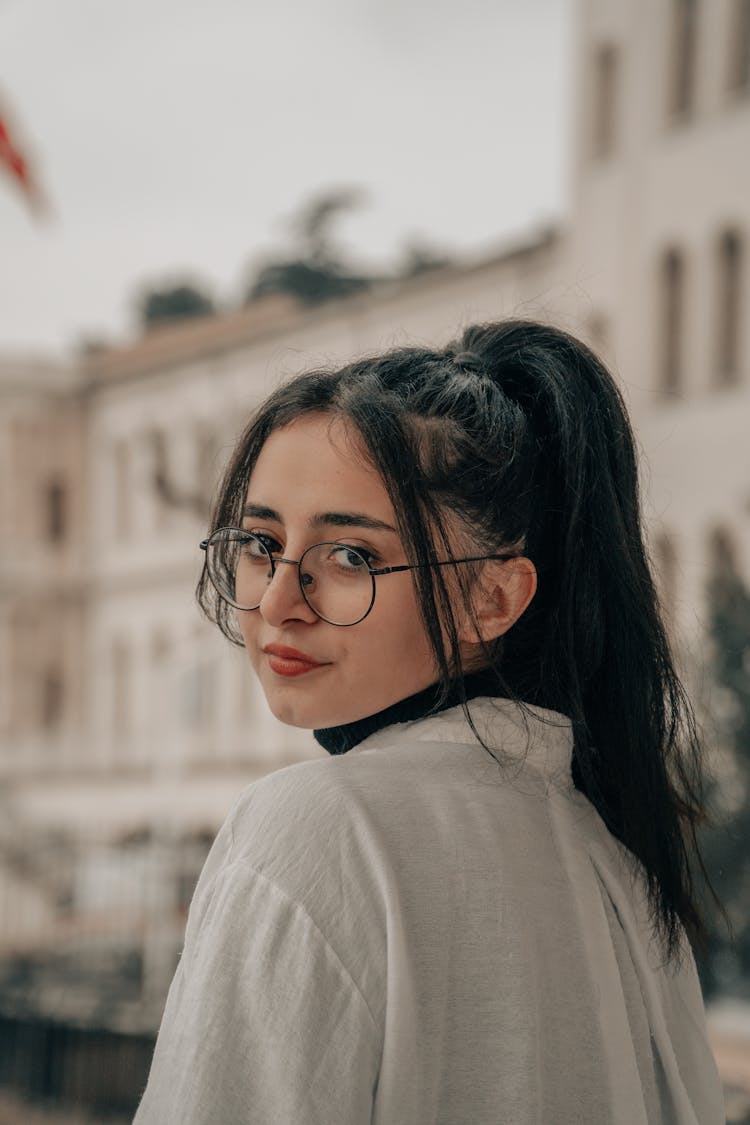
413	566
442	562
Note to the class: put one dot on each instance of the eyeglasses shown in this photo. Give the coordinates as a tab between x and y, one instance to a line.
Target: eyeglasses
336	580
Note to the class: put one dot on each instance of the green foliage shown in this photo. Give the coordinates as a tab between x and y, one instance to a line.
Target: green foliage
726	844
305	280
316	270
178	302
420	257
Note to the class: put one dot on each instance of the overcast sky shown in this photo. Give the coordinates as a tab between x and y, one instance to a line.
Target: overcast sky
177	137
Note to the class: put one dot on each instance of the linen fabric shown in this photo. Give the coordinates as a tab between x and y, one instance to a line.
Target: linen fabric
419	933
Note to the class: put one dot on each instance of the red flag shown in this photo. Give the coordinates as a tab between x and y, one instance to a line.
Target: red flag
14	161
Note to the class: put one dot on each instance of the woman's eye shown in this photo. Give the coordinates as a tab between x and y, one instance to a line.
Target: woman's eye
351	558
255	546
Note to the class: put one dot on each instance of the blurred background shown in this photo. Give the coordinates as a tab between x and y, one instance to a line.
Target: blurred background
197	201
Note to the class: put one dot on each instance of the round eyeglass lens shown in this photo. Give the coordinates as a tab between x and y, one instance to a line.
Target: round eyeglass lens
335	579
239	567
336	583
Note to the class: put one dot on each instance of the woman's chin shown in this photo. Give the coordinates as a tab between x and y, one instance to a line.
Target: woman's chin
305	714
295	712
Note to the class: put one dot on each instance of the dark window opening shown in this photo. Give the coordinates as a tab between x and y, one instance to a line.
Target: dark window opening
672	317
729	296
722	555
122	483
667	573
604	101
53	694
55	512
121	670
739	48
684	42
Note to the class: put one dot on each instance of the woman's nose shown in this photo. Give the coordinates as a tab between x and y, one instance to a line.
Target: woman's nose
282	600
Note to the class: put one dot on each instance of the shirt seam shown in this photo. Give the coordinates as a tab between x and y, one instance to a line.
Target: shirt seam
244	863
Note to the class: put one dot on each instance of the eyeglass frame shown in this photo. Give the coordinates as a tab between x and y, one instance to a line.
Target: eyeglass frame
374	572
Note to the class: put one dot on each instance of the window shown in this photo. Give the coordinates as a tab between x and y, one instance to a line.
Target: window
672	283
729	302
52	698
665	563
739	48
207	449
604	101
722	555
158	478
120	689
684	39
55	511
122	489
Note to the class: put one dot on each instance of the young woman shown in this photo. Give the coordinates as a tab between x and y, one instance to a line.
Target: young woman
478	910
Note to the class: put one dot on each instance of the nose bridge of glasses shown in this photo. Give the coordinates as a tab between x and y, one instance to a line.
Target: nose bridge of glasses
304	579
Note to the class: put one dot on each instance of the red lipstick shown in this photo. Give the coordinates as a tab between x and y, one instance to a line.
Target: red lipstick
287	661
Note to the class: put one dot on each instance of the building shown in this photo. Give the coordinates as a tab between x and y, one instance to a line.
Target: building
658	234
126	722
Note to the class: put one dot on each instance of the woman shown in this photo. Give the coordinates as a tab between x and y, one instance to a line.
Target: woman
478	910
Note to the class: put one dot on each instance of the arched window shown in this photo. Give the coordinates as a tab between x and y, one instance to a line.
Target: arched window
729	302
684	42
604	101
739	48
672	300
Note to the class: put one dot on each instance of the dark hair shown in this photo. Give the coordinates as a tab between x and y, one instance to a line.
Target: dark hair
518	431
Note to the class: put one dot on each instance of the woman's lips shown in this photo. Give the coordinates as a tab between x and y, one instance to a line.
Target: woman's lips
289	661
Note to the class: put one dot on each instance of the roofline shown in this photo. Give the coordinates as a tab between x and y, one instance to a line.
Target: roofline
173	344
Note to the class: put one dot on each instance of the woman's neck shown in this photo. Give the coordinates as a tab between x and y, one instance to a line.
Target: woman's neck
337	740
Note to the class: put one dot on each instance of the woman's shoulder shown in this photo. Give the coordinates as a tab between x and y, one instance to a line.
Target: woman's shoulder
309	793
304	825
305	792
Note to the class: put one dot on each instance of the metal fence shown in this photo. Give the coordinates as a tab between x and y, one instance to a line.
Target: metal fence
90	934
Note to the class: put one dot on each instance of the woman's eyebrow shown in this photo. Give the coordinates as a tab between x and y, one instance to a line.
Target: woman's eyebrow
259	512
350	519
322	519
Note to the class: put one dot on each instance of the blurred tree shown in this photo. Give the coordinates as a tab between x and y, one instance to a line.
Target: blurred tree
419	257
726	844
314	220
176	302
316	270
306	281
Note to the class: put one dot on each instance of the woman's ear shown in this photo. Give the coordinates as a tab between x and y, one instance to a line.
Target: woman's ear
501	596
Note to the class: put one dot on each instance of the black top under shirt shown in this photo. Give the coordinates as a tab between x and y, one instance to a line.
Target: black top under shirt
337	740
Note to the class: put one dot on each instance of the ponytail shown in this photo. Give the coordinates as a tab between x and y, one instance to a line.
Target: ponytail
518	434
593	644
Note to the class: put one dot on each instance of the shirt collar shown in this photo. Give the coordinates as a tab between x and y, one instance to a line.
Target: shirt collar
516	732
339	740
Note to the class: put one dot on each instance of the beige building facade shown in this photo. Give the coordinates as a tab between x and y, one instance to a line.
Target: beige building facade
658	235
122	712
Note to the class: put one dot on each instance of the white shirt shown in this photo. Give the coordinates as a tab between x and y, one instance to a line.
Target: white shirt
413	934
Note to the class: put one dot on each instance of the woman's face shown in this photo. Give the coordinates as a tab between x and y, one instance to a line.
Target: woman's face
309	485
